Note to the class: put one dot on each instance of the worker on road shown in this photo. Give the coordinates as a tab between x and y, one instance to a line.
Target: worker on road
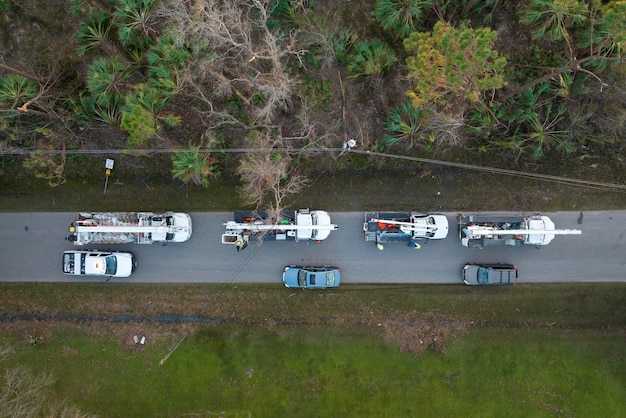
240	243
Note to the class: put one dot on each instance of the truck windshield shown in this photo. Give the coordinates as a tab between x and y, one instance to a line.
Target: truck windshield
313	222
111	268
83	257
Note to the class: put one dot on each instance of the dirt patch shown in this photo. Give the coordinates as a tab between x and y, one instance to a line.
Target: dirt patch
69	352
415	333
412	333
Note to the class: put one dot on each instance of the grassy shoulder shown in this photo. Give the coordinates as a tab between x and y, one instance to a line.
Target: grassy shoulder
350	185
246	350
575	305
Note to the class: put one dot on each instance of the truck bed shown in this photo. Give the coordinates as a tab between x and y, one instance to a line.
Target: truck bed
287	217
387	233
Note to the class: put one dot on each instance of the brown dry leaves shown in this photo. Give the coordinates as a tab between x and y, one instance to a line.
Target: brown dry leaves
165	313
416	333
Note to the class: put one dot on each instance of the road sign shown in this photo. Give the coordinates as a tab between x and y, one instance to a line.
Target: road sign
109	166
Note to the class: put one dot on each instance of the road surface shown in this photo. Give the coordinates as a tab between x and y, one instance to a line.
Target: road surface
32	246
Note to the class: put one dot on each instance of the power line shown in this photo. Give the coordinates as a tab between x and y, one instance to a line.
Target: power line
148	151
524	174
543	177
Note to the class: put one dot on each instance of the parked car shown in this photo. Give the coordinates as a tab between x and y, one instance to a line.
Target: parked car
99	263
489	274
311	277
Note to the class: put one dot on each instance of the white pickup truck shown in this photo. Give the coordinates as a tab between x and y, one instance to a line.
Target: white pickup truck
99	263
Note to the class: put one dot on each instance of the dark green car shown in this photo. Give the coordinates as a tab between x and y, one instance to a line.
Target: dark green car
489	274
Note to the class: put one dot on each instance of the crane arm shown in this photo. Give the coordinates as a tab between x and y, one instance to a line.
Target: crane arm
125	229
277	227
409	225
493	231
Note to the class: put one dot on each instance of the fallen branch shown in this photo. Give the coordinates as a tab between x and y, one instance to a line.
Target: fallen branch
18	72
164	359
575	65
224	80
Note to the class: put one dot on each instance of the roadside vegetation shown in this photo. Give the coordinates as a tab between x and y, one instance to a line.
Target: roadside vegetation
516	84
262	350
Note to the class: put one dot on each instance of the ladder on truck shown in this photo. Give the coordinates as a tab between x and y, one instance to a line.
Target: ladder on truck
236	230
113	228
407	227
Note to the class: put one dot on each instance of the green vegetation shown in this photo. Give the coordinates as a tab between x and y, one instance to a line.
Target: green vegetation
15	90
139	123
422	350
322	373
155	74
371	58
526	373
450	64
401	17
194	166
140	179
403	125
553	20
320	92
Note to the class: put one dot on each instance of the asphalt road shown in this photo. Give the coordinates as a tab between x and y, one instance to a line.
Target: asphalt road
33	243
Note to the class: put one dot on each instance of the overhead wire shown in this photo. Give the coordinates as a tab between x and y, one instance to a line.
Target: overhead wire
525	174
537	176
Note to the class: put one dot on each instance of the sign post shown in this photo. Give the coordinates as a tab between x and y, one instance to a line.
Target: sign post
109	166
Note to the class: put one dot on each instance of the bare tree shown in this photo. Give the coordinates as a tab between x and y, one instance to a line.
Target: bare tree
25	394
446	127
268	177
236	49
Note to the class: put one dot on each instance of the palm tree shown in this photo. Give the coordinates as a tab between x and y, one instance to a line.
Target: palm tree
107	80
536	121
194	166
94	32
133	18
401	17
371	58
86	110
403	125
15	90
553	19
544	133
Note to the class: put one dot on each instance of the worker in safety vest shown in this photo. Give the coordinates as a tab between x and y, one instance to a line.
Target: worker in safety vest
240	243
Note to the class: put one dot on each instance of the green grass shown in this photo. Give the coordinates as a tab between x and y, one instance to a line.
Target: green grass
347	372
520	372
527	350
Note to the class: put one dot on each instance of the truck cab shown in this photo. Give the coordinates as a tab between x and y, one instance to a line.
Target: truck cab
314	218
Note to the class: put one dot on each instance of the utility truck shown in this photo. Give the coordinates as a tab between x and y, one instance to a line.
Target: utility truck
479	231
403	227
288	225
129	228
